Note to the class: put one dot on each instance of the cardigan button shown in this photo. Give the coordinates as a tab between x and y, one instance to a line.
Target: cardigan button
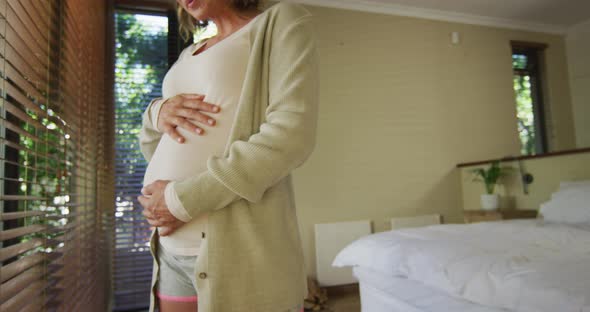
203	275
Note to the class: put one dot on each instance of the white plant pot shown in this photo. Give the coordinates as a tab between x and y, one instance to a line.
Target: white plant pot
490	201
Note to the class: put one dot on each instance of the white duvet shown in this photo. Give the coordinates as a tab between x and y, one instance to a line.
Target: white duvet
523	265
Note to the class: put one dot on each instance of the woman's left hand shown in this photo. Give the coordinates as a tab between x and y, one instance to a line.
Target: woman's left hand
155	209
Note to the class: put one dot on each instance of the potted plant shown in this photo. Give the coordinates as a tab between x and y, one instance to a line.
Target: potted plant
490	176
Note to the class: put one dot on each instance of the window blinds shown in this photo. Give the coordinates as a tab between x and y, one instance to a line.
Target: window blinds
56	152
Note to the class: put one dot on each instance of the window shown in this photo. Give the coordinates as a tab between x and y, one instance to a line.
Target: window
55	170
527	68
141	62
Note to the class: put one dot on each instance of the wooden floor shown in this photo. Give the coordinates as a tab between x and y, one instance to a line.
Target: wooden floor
344	299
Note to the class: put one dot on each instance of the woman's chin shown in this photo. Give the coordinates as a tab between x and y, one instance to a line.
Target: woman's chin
197	14
199	10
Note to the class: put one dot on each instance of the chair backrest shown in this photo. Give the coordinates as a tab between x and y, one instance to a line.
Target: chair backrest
416	221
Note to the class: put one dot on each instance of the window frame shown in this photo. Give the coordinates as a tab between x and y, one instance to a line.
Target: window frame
536	70
175	46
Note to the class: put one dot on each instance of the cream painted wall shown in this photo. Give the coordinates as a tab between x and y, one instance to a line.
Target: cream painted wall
578	52
547	173
401	106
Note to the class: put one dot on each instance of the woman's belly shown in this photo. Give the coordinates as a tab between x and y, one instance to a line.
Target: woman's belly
174	161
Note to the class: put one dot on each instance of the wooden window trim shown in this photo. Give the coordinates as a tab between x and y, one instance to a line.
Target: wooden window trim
525	157
516	44
145	5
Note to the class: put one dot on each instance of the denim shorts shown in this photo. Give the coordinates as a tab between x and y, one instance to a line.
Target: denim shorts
176	278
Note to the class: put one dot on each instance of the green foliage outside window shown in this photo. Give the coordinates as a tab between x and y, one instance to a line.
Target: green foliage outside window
140	65
45	172
524	105
519	61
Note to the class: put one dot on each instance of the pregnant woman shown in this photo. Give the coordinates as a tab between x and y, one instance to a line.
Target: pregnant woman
237	116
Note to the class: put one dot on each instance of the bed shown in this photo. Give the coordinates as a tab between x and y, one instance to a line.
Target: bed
379	294
517	265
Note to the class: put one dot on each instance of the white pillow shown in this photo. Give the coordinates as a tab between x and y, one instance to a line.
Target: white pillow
377	251
569	205
568	190
563	185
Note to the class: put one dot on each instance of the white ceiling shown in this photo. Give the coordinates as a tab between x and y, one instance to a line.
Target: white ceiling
565	13
554	16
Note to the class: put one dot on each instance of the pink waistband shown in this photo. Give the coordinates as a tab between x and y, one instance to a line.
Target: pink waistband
177	298
183	299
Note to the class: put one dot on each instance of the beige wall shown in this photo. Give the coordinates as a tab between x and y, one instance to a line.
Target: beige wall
547	173
578	52
401	106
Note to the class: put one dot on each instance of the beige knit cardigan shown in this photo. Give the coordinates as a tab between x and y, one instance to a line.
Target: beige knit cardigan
251	258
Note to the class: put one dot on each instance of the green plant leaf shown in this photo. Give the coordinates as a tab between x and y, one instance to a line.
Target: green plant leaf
490	176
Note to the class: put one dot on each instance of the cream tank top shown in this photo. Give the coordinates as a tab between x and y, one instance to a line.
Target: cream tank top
218	73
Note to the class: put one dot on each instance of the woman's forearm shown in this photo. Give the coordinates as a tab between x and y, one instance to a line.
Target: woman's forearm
149	135
154	111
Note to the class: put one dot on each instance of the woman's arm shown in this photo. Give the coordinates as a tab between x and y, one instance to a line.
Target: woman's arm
286	138
149	135
179	109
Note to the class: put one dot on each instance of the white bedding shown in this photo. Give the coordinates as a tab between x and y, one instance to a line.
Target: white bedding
381	293
521	265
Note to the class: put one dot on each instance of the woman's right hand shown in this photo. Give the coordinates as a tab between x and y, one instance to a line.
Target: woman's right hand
177	110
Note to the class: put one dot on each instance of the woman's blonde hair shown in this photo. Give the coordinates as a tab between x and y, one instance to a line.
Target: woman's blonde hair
187	25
